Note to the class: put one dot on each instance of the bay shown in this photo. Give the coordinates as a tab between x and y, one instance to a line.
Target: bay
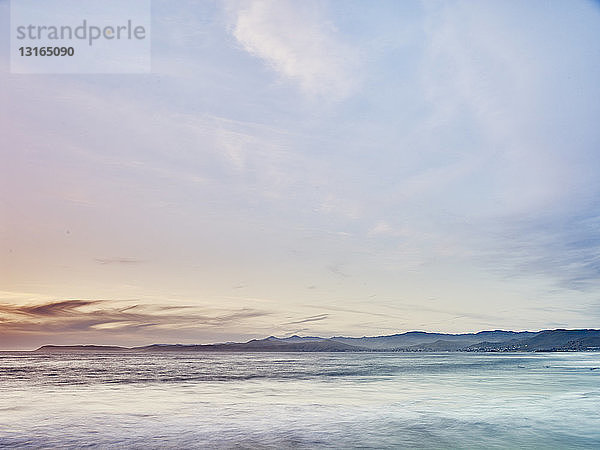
300	400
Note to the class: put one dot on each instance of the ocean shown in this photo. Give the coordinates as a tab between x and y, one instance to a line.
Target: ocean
300	400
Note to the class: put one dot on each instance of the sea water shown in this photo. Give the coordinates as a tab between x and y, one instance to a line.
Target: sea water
300	400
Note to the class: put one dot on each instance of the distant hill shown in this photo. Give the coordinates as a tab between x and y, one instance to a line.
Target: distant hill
81	348
550	340
270	344
544	341
416	338
437	346
413	341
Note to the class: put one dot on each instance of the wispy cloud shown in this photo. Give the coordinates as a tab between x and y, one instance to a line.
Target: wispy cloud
527	198
309	319
118	260
348	310
566	249
93	315
56	309
298	42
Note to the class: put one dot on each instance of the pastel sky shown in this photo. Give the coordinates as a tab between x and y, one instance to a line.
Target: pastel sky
308	167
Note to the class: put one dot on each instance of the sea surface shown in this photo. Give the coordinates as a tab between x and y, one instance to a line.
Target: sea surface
300	400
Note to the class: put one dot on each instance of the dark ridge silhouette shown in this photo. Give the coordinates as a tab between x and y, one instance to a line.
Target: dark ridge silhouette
413	341
82	348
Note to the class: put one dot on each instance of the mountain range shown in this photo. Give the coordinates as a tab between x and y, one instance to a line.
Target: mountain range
412	341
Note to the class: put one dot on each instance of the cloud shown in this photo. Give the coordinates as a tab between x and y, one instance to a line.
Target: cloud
337	269
519	99
519	95
63	308
309	319
348	310
382	228
567	249
117	260
93	315
296	41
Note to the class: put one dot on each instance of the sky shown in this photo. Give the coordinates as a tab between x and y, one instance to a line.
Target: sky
314	168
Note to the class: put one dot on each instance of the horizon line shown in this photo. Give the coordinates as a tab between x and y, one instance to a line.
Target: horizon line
296	335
